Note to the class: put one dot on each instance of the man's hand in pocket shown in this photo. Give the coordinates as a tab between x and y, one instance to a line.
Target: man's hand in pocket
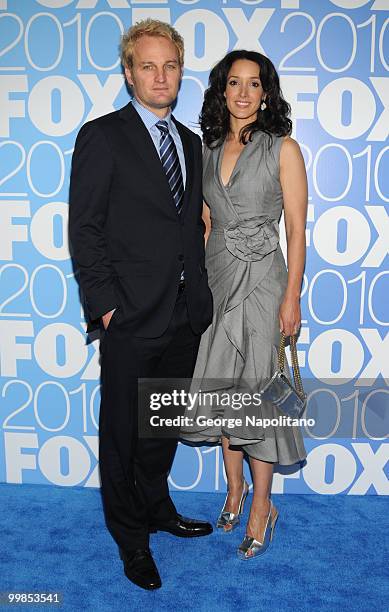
107	318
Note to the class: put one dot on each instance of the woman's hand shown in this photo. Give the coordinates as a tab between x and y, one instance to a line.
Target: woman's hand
290	316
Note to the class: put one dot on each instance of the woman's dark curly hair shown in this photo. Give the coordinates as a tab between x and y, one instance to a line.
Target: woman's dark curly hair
215	118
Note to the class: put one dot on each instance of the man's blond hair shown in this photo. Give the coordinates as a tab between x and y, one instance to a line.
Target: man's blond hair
149	27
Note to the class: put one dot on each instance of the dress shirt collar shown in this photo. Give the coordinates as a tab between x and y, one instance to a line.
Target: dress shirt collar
149	118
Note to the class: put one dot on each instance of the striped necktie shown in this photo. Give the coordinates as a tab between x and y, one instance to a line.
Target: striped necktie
171	164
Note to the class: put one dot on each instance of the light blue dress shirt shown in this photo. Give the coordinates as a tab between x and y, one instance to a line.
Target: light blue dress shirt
149	119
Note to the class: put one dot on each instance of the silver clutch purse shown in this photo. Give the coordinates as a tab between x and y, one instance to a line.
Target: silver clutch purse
290	400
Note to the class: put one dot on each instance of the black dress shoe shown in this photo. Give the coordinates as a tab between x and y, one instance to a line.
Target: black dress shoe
183	527
139	567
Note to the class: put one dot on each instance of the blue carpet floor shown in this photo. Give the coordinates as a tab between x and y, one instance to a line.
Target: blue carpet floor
328	553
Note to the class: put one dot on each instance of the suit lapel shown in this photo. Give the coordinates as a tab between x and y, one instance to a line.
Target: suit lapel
189	164
143	146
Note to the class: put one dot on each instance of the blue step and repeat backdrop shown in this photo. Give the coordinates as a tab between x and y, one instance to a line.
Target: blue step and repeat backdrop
59	68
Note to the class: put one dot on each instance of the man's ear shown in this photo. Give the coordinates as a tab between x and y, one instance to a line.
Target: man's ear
127	72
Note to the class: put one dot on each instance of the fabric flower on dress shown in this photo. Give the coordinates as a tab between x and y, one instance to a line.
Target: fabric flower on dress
252	239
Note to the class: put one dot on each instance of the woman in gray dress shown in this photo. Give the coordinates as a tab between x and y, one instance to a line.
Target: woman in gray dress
252	171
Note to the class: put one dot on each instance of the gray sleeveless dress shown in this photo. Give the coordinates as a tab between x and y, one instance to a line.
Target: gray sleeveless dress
248	277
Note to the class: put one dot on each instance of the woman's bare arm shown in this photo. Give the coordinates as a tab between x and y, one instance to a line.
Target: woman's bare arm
295	194
207	220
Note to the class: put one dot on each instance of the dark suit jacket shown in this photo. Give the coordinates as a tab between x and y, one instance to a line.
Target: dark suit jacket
127	239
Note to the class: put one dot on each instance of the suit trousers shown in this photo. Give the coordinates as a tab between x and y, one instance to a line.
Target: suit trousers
133	469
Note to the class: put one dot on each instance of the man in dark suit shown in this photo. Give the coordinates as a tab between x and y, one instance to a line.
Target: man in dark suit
138	242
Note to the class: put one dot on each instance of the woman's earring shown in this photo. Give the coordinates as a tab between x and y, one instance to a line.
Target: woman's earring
263	105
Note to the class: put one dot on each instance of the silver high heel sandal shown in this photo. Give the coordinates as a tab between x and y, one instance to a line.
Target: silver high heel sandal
229	520
251	547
